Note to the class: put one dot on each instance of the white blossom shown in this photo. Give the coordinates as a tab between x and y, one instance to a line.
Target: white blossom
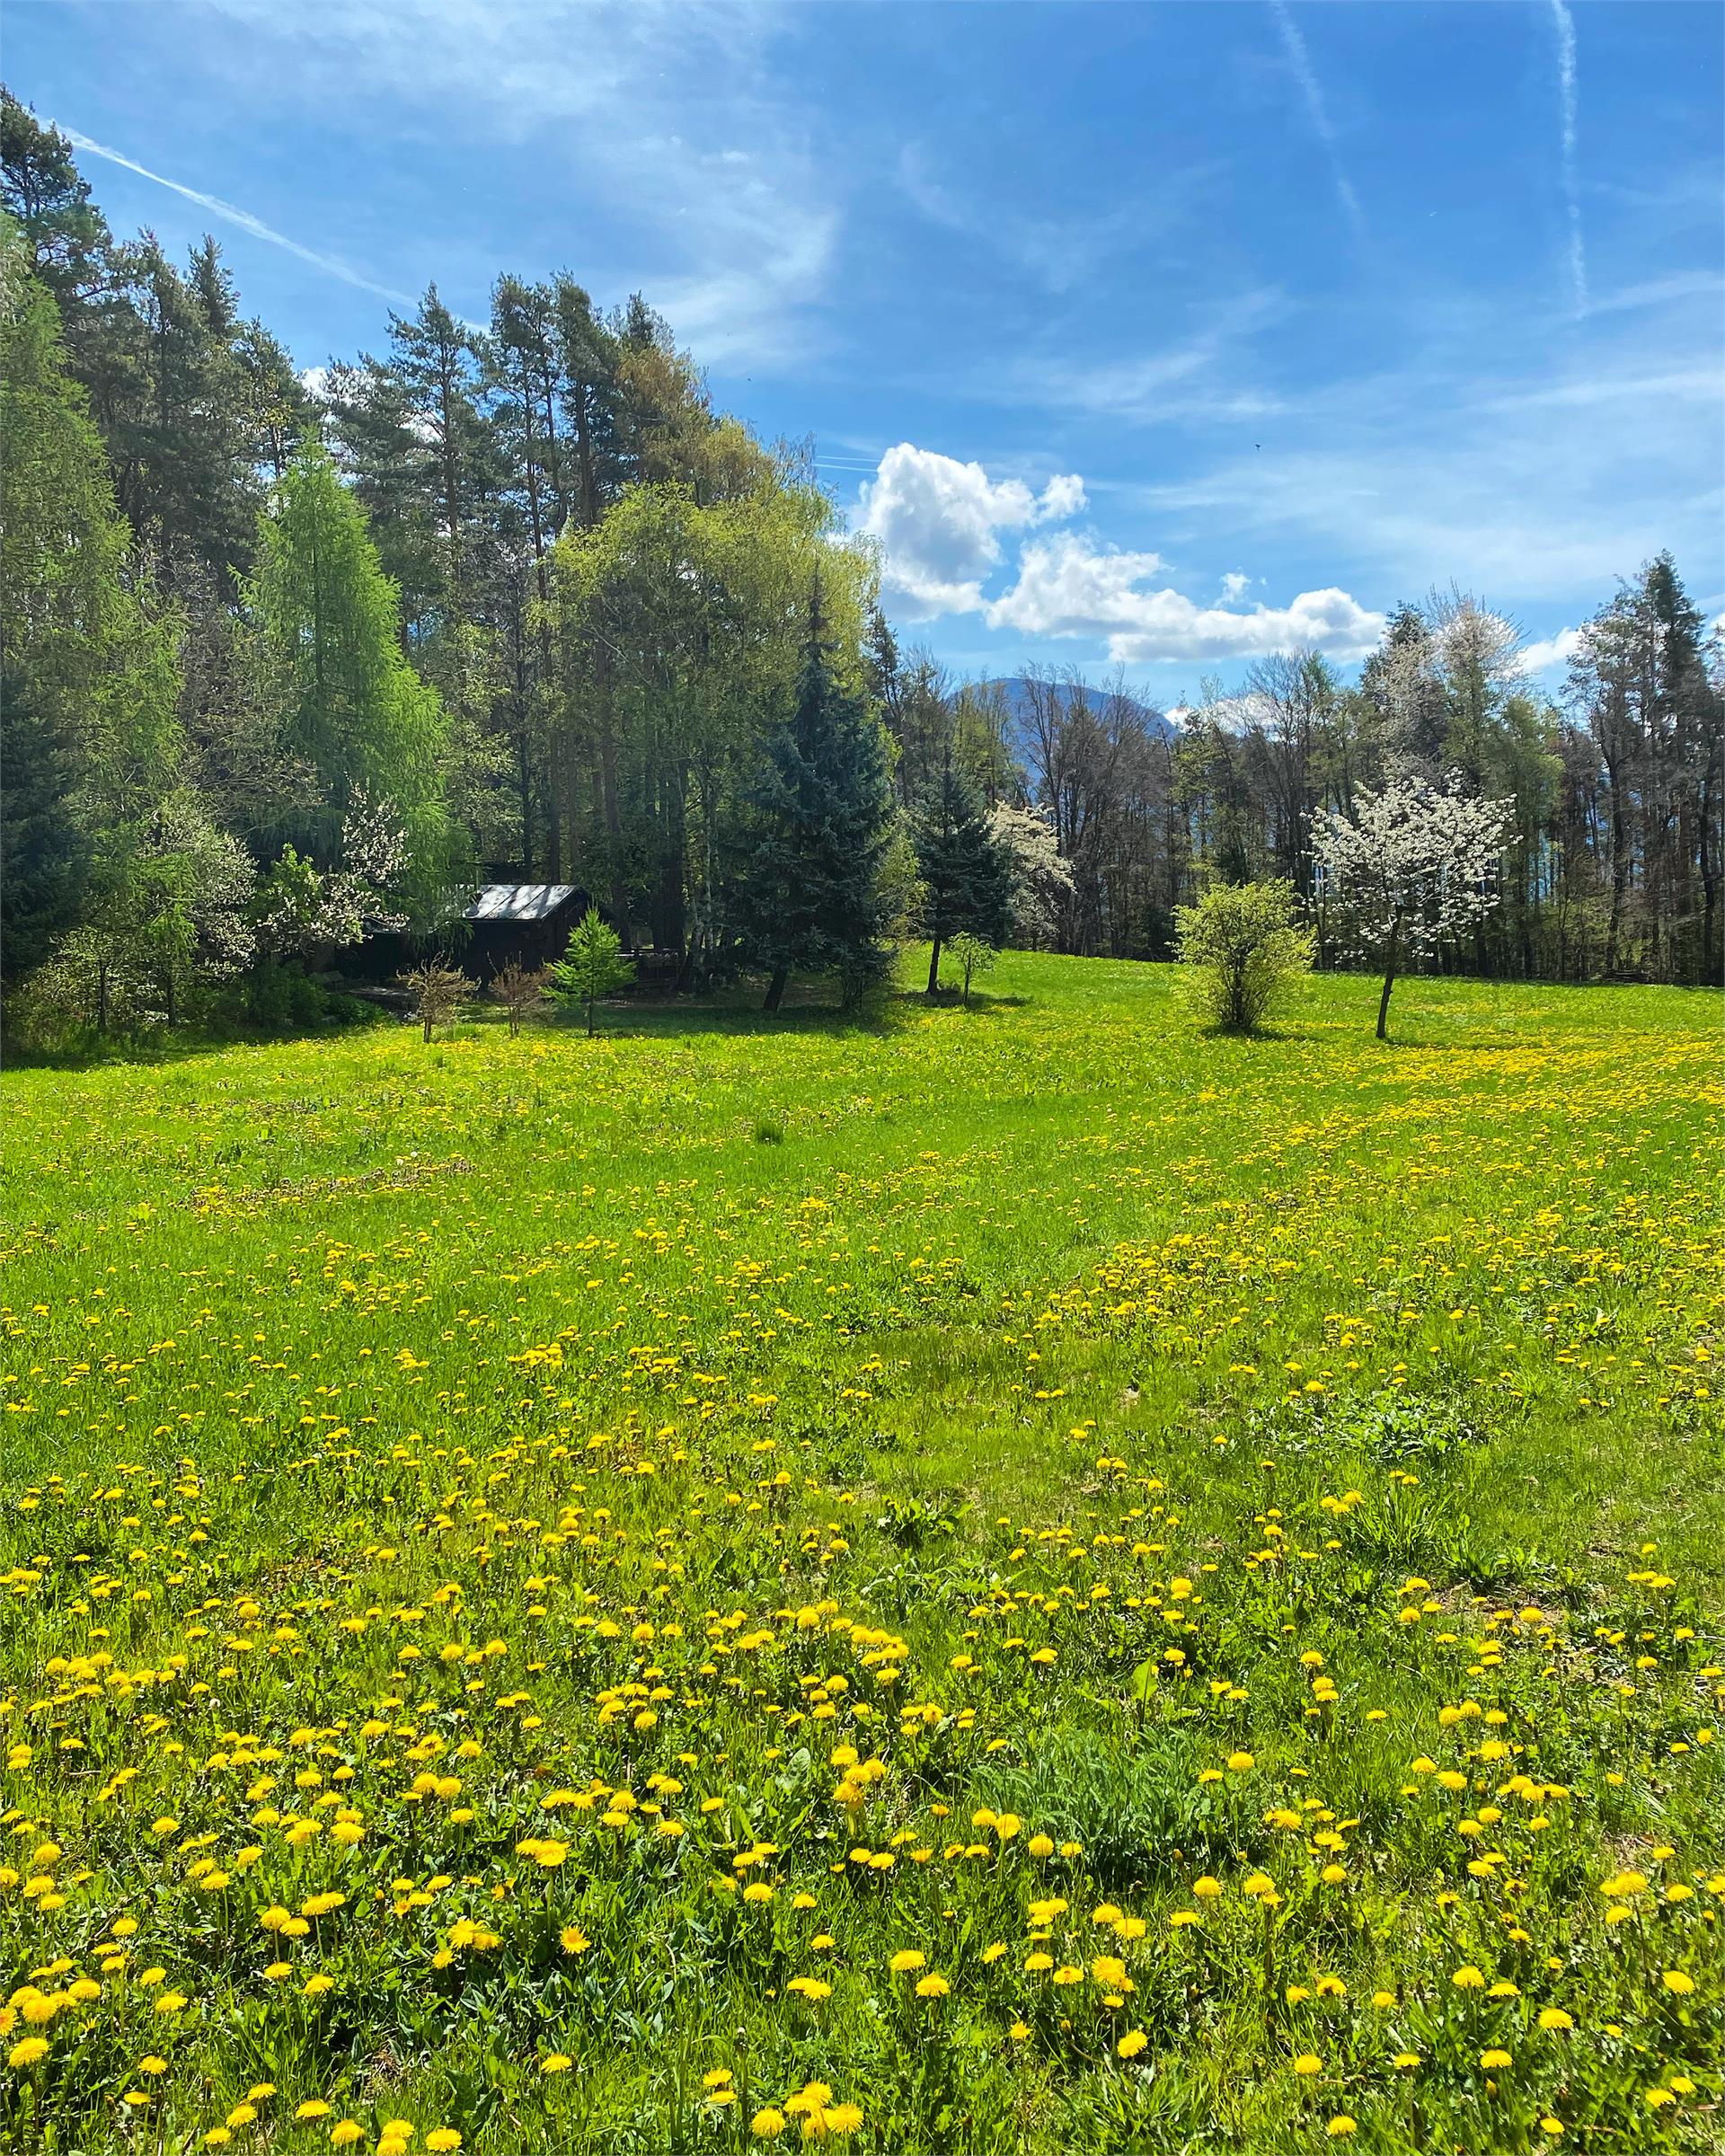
1041	874
1415	865
1413	868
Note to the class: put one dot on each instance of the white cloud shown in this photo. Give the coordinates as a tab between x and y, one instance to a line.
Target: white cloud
673	116
1067	587
1060	253
1236	585
228	213
1300	61
939	524
1563	25
1232	714
1547	651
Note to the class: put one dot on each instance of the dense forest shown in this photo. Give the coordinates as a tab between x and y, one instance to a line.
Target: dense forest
294	659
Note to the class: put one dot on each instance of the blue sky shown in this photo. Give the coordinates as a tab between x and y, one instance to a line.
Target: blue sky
1151	335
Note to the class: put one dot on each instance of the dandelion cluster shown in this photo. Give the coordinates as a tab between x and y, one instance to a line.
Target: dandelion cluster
532	1618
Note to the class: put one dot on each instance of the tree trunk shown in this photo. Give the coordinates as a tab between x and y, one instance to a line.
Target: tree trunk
775	988
592	1017
1389	983
1619	865
935	968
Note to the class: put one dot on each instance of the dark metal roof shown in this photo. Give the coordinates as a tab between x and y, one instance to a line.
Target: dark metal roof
518	901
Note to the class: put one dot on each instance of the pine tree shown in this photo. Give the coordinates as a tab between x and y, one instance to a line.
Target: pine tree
67	236
89	734
810	893
967	874
44	850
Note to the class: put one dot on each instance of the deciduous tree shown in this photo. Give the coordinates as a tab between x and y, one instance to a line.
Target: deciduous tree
1413	868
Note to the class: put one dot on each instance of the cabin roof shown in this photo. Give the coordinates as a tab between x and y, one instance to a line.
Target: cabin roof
518	901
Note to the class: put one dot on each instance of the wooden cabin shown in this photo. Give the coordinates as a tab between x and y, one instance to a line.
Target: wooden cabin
528	922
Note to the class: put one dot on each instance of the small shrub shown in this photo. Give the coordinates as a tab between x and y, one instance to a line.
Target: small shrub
1241	952
973	956
520	989
439	993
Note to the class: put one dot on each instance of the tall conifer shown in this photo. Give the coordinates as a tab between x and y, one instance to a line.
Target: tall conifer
968	875
811	891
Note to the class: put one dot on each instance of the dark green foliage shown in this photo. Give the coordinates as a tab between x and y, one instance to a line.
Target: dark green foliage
44	851
808	895
91	729
44	193
967	876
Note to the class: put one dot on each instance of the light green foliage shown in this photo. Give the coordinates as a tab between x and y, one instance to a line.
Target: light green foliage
591	967
369	729
973	956
504	1566
682	621
1242	953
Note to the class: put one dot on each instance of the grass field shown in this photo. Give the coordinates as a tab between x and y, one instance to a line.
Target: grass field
1019	1579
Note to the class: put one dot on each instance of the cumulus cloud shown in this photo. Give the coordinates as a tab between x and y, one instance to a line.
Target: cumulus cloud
1236	585
1067	587
1550	650
939	524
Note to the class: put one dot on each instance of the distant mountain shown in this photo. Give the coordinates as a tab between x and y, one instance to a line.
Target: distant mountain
1016	691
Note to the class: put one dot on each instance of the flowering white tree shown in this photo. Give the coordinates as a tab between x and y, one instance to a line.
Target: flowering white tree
305	908
1414	866
1041	875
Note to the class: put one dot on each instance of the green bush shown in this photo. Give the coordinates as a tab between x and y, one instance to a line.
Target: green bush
1242	951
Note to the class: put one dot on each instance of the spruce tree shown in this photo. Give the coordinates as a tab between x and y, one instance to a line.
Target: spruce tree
968	875
809	899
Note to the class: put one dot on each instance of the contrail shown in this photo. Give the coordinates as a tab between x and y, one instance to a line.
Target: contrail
242	217
1300	61
1565	27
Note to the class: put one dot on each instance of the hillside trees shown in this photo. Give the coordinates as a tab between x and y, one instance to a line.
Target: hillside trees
581	621
1646	689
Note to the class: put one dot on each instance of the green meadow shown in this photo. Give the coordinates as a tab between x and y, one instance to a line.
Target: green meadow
1023	1578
